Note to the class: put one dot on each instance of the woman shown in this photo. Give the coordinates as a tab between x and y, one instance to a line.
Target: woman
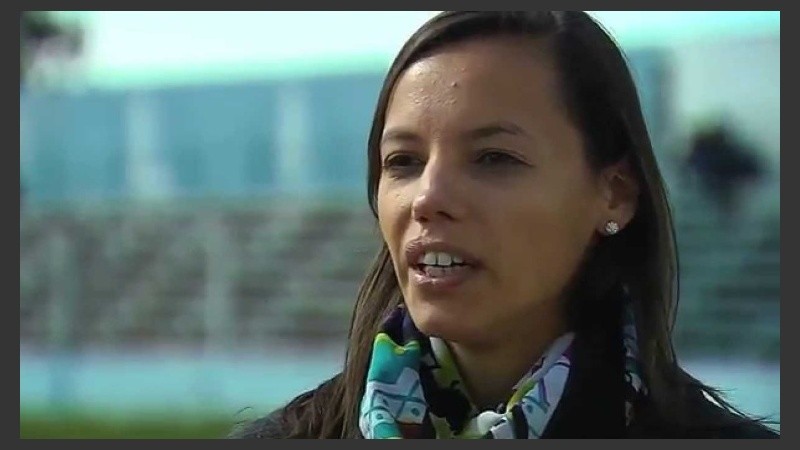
527	282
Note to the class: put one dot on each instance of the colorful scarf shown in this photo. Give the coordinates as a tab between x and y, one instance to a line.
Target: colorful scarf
414	390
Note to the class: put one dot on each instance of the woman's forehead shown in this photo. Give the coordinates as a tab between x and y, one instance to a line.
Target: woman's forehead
473	82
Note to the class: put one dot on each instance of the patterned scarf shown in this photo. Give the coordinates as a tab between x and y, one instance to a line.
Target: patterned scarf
414	389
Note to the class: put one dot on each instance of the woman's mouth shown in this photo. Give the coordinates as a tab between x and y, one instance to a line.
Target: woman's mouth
441	270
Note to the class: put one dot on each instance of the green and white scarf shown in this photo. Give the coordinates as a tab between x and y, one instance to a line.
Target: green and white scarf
414	389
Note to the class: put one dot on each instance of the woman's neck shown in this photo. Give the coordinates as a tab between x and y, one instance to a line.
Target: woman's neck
490	371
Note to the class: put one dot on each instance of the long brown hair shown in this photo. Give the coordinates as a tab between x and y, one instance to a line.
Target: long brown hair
601	97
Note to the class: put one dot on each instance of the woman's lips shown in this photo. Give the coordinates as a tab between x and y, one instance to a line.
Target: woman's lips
434	278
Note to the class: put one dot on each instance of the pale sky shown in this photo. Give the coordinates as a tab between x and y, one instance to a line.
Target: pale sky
142	46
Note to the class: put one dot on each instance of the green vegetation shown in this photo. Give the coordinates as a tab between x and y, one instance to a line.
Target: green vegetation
95	425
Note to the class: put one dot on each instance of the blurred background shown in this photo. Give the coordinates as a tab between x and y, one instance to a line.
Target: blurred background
193	215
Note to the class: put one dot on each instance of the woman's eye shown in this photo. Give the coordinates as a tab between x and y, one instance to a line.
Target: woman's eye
401	160
402	165
493	158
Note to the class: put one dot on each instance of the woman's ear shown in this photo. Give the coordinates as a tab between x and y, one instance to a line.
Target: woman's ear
620	190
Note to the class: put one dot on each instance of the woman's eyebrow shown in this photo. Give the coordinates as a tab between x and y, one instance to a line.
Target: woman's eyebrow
399	134
495	128
482	132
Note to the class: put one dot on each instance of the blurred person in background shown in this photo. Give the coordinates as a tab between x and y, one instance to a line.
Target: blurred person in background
527	283
723	165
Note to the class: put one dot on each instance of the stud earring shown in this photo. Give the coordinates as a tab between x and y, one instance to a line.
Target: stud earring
611	228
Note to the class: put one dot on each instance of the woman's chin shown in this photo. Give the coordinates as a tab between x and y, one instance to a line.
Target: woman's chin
445	324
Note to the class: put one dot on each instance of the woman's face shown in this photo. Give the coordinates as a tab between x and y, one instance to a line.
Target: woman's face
485	198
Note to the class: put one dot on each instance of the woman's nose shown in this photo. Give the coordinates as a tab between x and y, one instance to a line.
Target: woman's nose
439	196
